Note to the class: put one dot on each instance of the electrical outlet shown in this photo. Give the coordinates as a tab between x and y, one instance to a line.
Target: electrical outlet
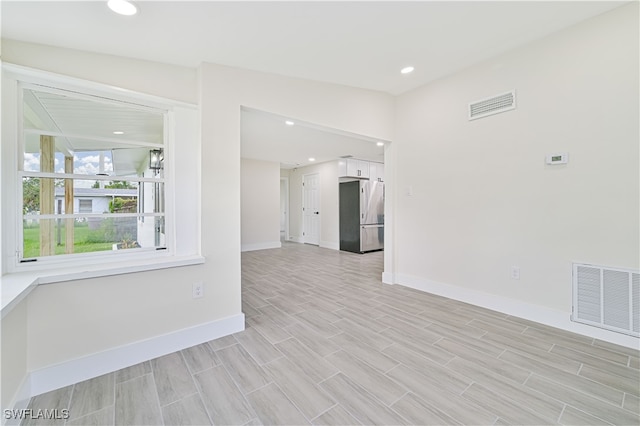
515	272
198	290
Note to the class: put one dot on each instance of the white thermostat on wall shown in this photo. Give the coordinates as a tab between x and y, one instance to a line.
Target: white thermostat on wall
558	158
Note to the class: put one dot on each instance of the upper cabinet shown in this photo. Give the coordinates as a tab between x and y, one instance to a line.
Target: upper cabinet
376	172
360	169
350	167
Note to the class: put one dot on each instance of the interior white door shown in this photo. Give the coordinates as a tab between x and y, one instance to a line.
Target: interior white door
311	208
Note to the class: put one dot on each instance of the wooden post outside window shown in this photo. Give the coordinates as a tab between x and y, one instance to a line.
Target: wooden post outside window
47	195
68	205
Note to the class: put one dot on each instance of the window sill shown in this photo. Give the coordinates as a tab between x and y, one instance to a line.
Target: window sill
16	286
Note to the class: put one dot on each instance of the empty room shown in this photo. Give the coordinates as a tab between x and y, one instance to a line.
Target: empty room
320	212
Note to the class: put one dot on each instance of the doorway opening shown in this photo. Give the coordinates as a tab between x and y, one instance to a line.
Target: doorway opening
311	208
302	148
284	209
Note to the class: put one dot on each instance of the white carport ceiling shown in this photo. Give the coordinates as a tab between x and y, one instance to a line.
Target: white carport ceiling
92	117
87	125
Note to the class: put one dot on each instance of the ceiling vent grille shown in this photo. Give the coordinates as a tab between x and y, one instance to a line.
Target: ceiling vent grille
493	105
607	297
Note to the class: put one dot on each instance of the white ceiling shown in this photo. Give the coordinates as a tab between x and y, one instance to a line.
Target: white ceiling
267	137
362	44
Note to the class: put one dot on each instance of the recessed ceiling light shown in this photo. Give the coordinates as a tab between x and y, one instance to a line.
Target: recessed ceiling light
118	132
122	7
289	123
407	70
312	159
380	144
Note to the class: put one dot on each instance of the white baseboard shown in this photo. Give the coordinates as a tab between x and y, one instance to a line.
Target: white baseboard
330	245
299	240
388	278
60	375
261	246
516	308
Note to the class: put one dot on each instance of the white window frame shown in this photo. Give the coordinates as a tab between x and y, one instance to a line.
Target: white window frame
96	263
22	86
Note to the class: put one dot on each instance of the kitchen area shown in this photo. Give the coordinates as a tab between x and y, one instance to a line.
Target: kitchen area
361	205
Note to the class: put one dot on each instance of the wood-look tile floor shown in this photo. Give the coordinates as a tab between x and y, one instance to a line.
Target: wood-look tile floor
328	343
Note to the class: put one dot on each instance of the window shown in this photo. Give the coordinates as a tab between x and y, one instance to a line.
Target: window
84	206
138	220
91	174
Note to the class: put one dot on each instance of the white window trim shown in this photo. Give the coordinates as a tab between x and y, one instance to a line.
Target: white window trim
47	262
19	278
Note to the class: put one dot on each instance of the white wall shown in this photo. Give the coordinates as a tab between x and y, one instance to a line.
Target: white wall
168	81
99	316
260	204
483	197
13	364
329	203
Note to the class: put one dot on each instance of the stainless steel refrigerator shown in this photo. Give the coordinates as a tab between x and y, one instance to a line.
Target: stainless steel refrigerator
361	216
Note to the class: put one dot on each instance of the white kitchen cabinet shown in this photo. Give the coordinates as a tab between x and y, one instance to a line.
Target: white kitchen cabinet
351	167
357	168
376	172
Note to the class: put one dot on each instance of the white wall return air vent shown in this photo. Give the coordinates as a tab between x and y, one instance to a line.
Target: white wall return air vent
607	297
493	105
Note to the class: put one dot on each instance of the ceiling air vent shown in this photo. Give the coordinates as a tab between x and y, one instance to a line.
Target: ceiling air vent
492	105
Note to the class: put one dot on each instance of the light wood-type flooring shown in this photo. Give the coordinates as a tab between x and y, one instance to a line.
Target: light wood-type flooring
327	343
